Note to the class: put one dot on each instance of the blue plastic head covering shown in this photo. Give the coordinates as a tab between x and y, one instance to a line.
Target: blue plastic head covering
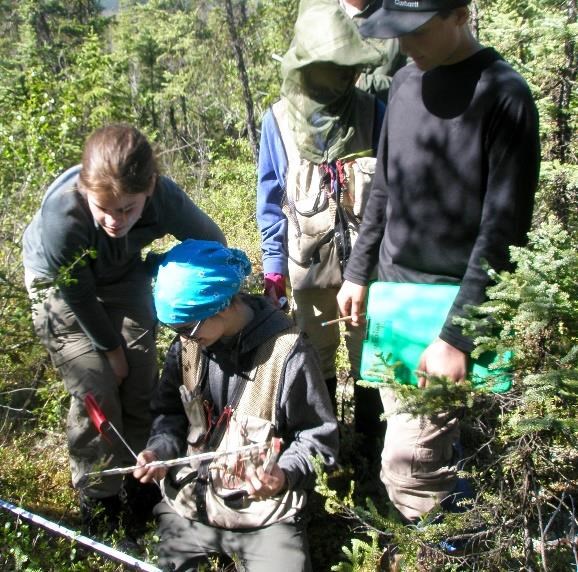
197	279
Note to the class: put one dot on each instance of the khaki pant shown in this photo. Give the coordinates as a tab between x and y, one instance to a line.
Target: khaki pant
311	308
419	459
316	305
129	306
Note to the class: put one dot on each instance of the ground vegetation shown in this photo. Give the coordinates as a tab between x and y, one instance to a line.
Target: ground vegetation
196	76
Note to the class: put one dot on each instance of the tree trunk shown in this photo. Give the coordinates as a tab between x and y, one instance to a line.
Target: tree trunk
475	19
563	134
241	68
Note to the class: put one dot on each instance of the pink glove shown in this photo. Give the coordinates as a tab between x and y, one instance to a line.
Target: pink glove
275	288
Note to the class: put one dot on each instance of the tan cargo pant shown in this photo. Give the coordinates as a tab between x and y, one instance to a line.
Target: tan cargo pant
314	306
83	369
419	459
311	308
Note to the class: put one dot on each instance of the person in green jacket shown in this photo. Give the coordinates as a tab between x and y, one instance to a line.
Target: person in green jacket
316	164
377	80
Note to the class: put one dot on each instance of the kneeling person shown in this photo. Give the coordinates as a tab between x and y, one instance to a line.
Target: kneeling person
239	372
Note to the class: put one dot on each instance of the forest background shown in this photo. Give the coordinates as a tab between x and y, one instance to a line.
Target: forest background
196	76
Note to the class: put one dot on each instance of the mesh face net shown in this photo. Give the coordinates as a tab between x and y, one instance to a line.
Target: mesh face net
319	72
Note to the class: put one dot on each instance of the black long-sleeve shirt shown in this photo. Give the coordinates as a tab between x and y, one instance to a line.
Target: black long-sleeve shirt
457	171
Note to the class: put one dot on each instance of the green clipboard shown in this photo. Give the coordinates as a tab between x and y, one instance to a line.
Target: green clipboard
403	319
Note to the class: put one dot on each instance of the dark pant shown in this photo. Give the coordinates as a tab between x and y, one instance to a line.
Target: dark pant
186	544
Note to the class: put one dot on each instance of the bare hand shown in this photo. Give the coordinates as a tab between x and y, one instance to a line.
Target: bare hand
442	360
351	301
264	485
117	360
149	474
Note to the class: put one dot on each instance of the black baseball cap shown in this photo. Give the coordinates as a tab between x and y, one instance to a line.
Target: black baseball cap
400	17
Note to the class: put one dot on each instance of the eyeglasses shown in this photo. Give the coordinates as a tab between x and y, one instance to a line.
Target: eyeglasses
189	331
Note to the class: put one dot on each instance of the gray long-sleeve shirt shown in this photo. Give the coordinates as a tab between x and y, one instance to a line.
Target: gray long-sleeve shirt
305	418
63	228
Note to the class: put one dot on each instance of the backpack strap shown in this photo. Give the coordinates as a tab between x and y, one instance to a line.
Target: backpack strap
260	396
192	364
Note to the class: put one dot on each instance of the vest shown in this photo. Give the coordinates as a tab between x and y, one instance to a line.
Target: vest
322	225
211	491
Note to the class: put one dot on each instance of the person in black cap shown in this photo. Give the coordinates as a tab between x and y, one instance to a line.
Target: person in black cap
454	188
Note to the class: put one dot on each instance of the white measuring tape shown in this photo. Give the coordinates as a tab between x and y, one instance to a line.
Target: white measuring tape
117	555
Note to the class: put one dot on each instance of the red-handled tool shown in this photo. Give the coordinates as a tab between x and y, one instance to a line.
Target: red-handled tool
102	424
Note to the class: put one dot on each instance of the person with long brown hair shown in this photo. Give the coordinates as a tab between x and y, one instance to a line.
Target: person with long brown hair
92	301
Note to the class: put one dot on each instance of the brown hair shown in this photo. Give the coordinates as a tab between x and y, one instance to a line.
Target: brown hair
117	159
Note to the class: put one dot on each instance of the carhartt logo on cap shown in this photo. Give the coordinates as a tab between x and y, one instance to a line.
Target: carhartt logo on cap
423	5
400	17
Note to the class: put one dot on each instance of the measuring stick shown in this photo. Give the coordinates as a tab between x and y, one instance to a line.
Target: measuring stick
103	549
175	462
